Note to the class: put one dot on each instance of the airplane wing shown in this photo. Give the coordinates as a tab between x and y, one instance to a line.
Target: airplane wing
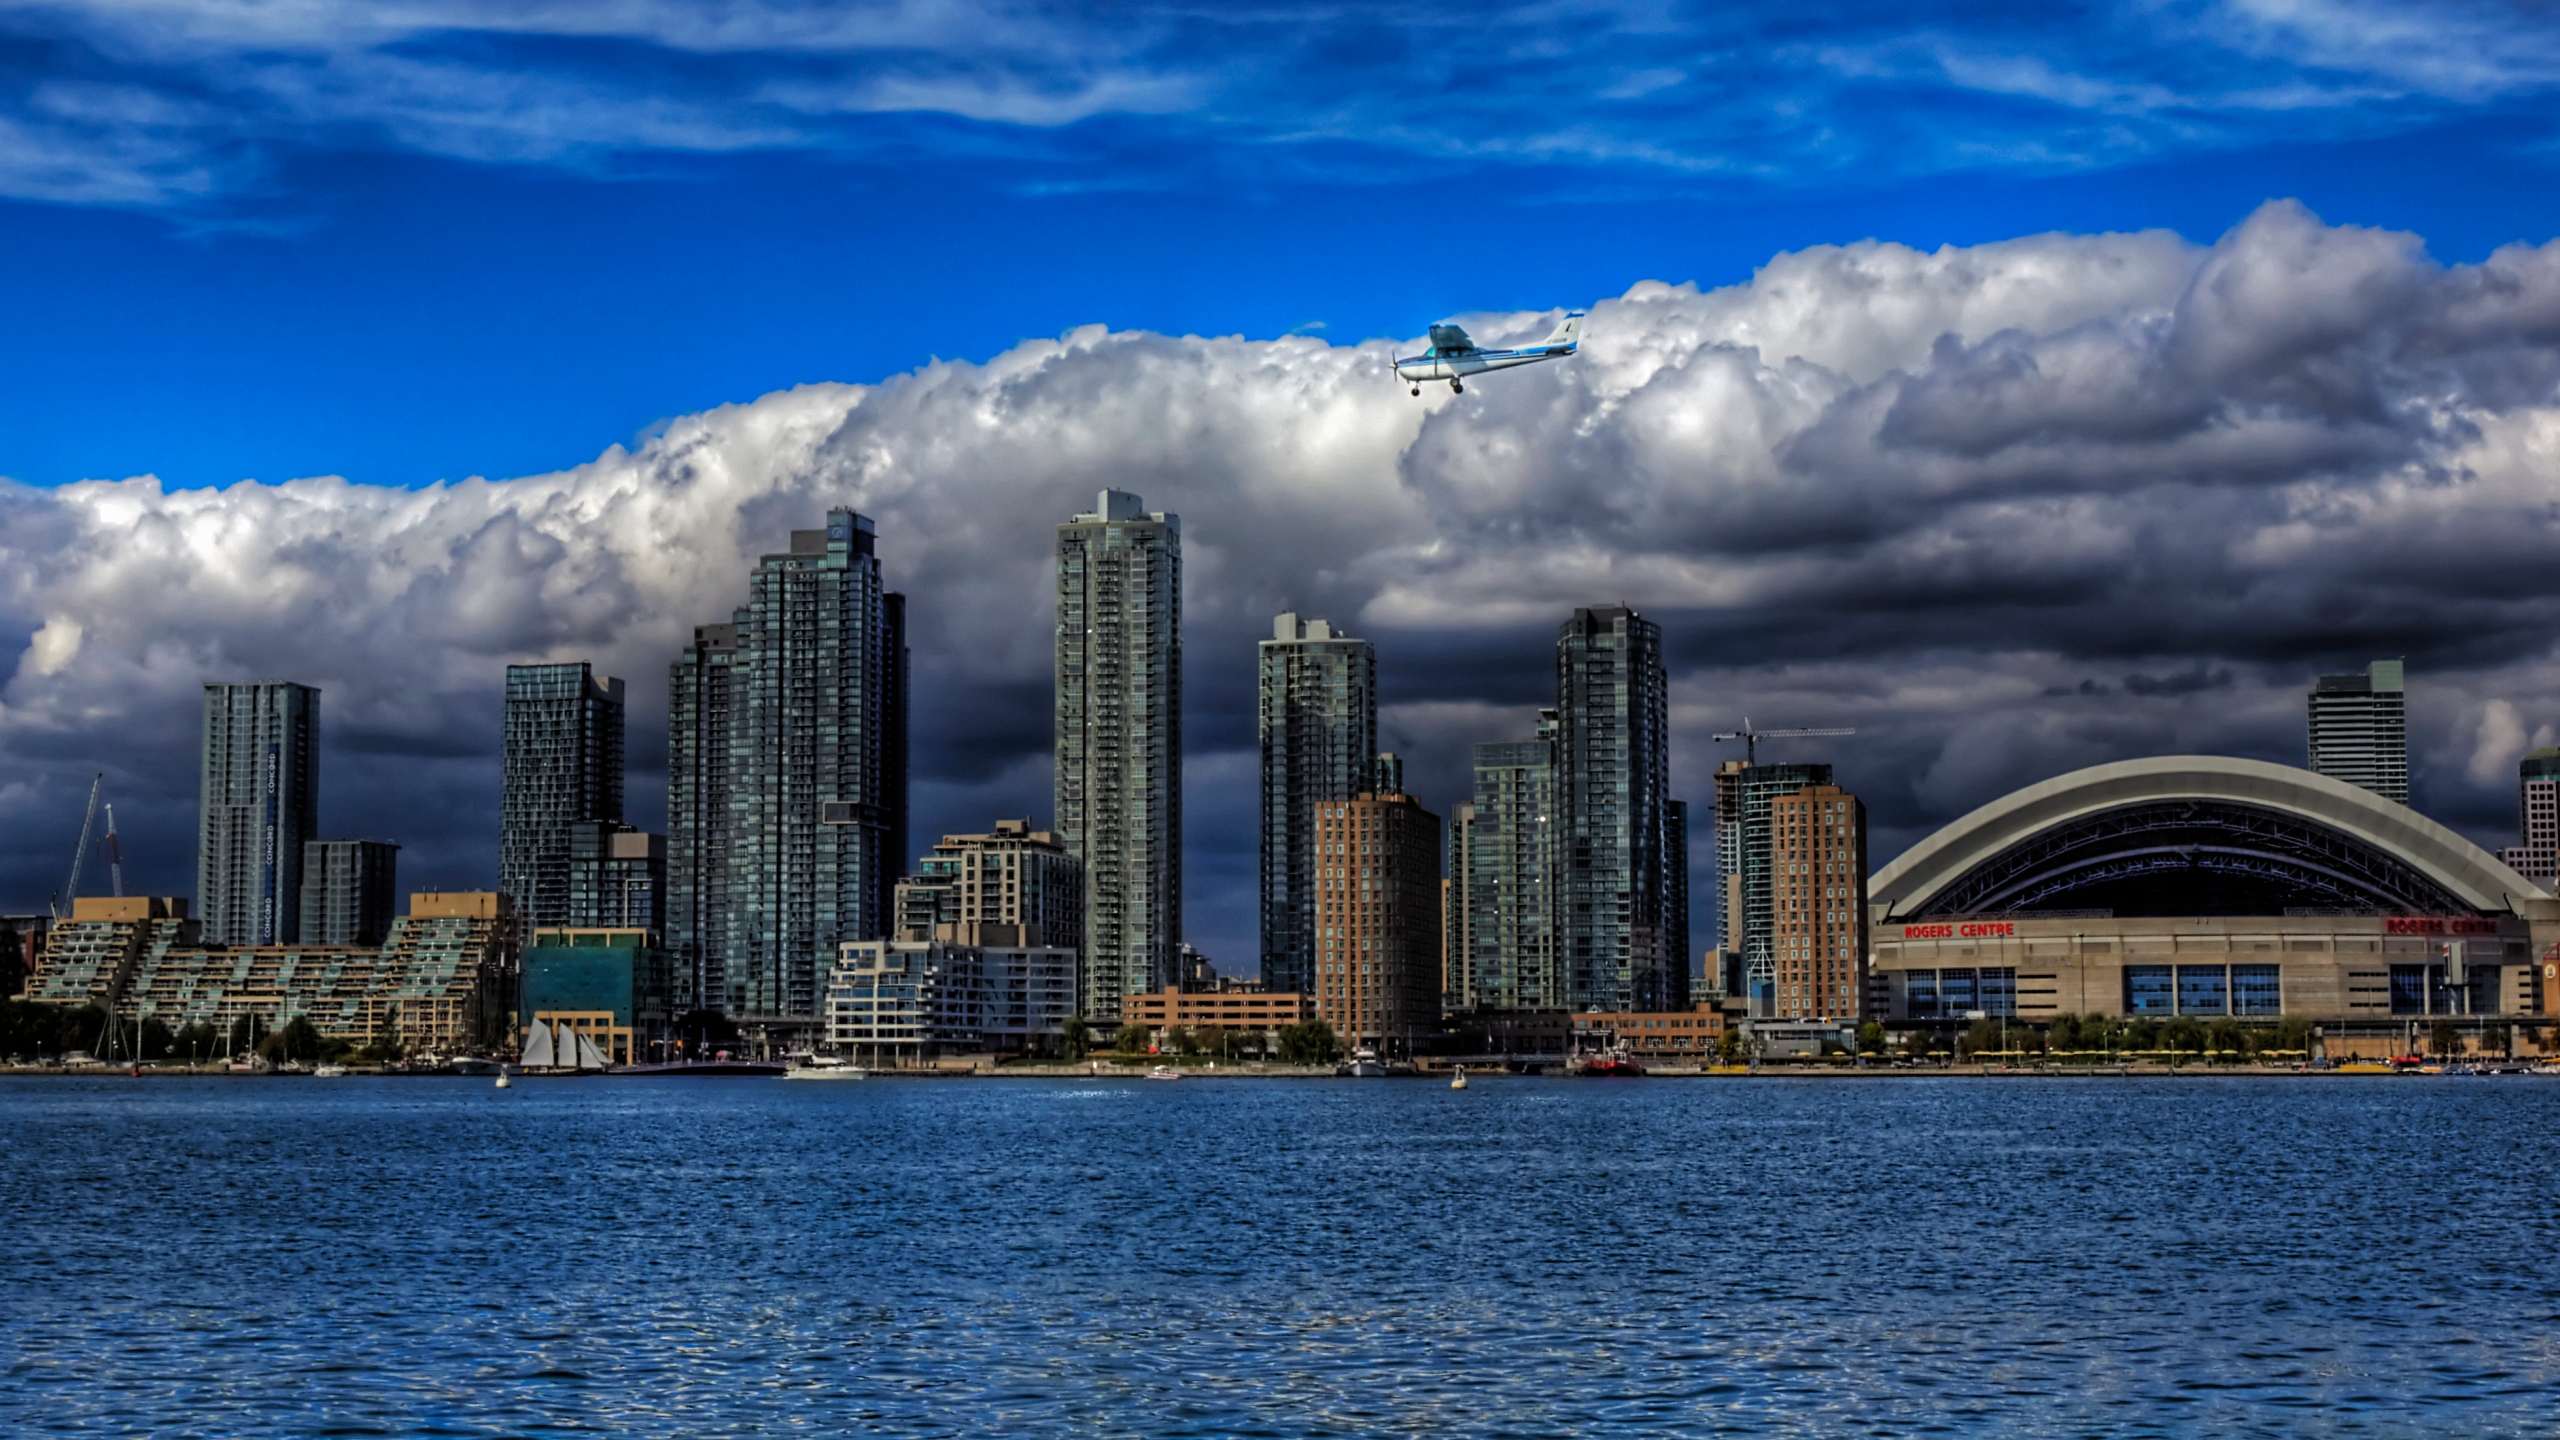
1449	339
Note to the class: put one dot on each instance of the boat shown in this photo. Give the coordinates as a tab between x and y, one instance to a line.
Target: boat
474	1065
328	1072
1364	1064
1164	1072
1610	1067
826	1067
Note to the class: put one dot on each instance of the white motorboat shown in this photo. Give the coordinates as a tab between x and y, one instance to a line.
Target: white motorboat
328	1072
825	1069
1164	1072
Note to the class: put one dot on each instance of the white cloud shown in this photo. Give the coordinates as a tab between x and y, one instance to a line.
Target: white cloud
1974	502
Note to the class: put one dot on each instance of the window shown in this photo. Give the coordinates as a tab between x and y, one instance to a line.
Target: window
1999	991
2257	990
2204	990
1956	993
2409	989
2149	990
1920	993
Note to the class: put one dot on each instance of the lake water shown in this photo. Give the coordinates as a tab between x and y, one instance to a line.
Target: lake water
1533	1258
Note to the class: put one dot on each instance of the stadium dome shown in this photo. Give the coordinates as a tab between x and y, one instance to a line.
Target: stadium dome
2194	835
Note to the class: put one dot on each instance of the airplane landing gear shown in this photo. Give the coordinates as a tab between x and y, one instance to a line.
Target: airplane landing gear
1457	389
1417	389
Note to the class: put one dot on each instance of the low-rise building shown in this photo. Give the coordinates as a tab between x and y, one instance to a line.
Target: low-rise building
1175	1009
1669	1037
900	1002
443	980
611	985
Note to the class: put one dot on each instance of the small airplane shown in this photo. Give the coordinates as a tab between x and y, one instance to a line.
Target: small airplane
1453	356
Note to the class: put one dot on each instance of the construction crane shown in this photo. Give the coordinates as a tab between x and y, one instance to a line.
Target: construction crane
70	887
115	856
1751	738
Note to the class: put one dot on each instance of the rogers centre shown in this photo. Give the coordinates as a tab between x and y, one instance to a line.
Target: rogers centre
2210	887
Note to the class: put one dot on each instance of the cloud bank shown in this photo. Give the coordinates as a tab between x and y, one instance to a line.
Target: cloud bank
177	102
2007	510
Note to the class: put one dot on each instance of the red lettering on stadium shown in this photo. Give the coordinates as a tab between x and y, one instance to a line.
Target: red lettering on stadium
2438	925
1970	930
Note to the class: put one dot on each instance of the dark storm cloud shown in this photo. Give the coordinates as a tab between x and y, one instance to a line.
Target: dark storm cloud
2006	510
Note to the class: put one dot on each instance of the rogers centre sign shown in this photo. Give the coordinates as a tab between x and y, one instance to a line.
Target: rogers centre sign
2438	925
1967	931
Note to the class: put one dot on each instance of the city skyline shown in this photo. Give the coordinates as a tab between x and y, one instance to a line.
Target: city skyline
1387	525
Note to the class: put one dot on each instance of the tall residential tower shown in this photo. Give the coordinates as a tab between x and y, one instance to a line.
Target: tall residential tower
563	743
261	802
787	784
1319	731
1613	789
1119	742
2360	729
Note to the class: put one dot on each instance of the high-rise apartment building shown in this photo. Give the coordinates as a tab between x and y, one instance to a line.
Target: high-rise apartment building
1613	760
1818	912
563	743
1118	766
261	803
2536	853
1457	948
1012	885
1378	919
1503	875
699	699
1319	734
1747	872
2360	729
350	891
787	784
617	878
1675	891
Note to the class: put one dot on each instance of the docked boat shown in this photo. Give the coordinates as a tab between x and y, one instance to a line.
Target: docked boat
715	1069
328	1072
474	1065
1364	1064
1164	1072
1610	1067
826	1067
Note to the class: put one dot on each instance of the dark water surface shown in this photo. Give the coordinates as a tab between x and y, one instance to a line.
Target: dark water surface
1527	1258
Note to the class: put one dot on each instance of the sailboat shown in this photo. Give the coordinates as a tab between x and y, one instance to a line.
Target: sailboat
537	1048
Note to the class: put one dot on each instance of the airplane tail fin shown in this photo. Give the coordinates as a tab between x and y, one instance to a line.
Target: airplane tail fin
1569	333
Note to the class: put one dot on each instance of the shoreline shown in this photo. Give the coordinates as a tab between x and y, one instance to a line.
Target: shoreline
1135	1073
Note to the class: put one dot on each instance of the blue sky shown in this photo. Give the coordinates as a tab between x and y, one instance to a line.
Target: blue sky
2171	428
444	239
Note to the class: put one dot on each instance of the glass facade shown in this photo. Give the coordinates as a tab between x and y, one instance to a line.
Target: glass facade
1319	733
2257	990
2204	990
2409	989
2150	990
1954	994
563	764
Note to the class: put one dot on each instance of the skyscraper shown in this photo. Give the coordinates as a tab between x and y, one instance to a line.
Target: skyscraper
1503	873
1818	893
261	802
1613	761
1378	919
787	785
1119	742
699	700
350	891
2360	729
563	740
1747	871
2536	853
1319	730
